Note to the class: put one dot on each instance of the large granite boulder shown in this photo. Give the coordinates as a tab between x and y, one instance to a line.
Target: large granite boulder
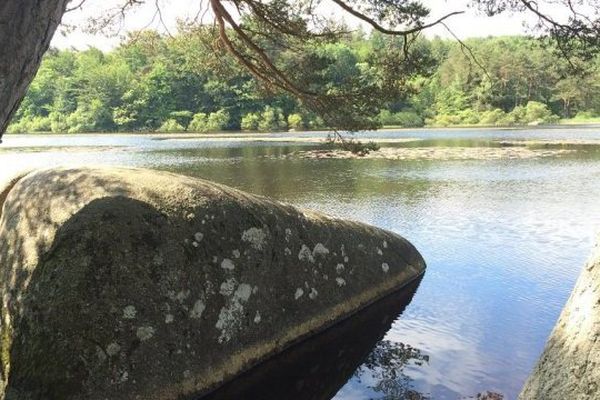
569	367
134	284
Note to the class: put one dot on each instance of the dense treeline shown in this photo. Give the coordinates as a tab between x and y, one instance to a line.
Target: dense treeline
172	84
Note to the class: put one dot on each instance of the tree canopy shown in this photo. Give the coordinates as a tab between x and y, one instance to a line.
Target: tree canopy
164	83
279	42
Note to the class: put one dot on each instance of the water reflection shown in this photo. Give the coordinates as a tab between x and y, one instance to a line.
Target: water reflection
318	367
504	240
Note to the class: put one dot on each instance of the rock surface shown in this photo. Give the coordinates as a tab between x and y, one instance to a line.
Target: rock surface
569	368
135	284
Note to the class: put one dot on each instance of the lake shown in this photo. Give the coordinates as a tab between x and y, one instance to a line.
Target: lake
504	239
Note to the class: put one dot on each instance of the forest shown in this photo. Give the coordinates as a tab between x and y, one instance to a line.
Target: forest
164	83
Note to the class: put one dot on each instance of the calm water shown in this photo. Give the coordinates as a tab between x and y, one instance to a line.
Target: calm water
504	240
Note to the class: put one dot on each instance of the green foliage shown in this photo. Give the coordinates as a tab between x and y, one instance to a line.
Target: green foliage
538	113
198	123
154	82
213	122
217	121
316	122
171	125
406	118
250	122
493	117
182	117
295	122
360	148
583	115
58	122
31	125
271	119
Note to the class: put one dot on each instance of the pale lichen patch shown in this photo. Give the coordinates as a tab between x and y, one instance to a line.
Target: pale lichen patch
182	295
287	251
144	333
228	287
340	281
313	294
157	260
305	254
298	294
227	264
198	236
169	318
320	250
385	244
123	377
231	315
257	318
198	309
379	251
339	268
129	312
236	253
385	267
256	237
113	349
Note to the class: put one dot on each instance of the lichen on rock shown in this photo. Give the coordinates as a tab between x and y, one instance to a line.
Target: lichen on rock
126	283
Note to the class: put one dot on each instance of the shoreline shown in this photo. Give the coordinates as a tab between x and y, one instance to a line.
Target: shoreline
568	124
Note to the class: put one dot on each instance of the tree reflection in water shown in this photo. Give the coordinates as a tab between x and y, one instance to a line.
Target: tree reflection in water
316	368
385	366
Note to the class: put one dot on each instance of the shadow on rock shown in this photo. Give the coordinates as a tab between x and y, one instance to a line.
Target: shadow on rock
319	366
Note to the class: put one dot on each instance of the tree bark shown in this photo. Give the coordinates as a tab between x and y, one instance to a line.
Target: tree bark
26	28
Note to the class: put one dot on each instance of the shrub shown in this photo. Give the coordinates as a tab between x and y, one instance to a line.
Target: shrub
586	115
198	123
182	117
58	122
250	122
492	117
316	123
409	119
539	113
79	121
386	117
171	125
217	121
406	118
29	124
40	124
445	120
519	115
295	122
271	119
20	126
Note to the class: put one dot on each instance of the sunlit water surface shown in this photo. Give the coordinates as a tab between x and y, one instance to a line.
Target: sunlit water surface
504	240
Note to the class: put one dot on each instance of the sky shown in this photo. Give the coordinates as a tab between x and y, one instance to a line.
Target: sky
470	24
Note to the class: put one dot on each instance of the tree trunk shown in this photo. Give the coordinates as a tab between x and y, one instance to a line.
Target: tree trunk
26	28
